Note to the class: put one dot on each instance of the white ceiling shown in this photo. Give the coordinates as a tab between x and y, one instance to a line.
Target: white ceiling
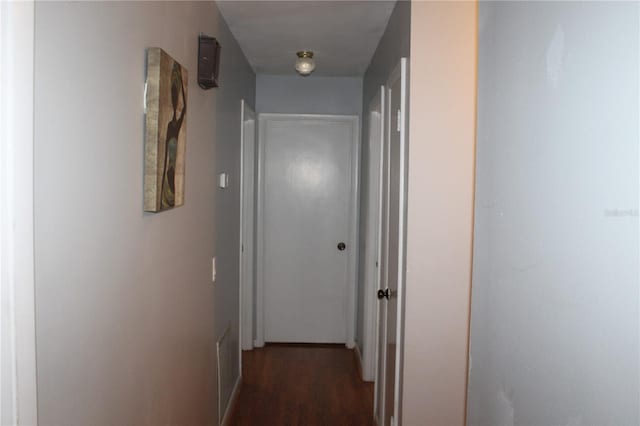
342	34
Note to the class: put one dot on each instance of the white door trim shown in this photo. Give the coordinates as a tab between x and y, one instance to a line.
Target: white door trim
259	294
263	118
371	264
352	301
381	376
17	278
401	73
246	270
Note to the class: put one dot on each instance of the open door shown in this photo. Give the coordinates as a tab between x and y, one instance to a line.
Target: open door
390	295
372	225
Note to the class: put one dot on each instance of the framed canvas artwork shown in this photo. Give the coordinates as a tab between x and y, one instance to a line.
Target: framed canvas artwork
165	131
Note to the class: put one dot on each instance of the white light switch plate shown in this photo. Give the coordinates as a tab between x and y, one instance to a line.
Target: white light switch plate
223	180
213	269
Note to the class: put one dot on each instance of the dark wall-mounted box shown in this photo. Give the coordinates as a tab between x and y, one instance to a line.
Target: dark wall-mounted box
208	62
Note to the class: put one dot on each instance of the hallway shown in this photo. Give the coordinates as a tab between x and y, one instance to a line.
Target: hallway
449	188
302	384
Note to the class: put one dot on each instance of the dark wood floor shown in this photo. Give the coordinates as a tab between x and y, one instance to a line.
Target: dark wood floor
302	385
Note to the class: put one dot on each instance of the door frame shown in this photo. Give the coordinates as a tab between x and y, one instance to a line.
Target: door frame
19	404
400	72
263	119
247	242
381	341
373	233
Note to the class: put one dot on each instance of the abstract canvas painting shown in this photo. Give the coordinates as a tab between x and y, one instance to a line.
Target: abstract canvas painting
165	132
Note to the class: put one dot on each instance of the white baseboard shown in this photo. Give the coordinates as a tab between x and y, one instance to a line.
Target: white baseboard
232	401
360	364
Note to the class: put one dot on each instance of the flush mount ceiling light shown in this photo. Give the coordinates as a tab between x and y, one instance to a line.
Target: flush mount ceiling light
305	63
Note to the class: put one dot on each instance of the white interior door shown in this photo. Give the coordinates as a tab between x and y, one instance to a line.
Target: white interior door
307	228
372	202
247	234
380	384
392	262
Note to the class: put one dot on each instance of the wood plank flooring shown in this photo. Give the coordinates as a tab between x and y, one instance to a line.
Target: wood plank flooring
302	385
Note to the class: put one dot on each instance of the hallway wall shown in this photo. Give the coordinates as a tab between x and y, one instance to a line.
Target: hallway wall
442	122
294	94
127	316
554	332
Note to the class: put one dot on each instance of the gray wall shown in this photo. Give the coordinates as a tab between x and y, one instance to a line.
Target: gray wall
294	94
393	46
127	316
554	333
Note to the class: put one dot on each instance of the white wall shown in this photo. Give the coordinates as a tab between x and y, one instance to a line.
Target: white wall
439	211
127	316
393	45
554	336
294	94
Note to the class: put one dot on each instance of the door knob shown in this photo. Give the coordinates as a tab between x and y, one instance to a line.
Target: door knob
383	294
342	246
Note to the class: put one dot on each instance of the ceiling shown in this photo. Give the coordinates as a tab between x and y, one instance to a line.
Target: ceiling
342	34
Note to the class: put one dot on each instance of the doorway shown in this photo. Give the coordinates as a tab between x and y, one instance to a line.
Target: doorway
307	207
391	293
371	207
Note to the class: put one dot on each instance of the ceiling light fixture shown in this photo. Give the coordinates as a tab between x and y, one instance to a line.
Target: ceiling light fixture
305	63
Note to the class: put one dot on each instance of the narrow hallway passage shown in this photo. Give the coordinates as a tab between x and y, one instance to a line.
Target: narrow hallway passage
302	385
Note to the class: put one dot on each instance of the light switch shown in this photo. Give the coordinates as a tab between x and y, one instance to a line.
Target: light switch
213	269
223	180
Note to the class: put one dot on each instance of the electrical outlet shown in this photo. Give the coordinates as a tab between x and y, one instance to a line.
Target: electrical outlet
213	269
